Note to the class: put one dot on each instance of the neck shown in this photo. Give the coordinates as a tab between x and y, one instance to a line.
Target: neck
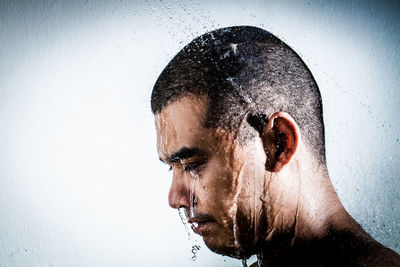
301	207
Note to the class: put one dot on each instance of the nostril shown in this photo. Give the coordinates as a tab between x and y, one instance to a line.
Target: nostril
172	201
174	198
177	198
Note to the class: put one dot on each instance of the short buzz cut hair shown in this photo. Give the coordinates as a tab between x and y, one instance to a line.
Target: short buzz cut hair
244	71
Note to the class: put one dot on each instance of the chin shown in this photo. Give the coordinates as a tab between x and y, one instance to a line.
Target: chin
226	248
223	250
221	240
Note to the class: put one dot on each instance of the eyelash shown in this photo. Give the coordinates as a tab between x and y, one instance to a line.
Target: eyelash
190	167
193	167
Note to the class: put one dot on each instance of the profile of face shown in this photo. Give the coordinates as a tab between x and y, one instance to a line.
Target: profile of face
215	179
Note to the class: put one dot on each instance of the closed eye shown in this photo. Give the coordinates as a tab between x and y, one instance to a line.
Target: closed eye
193	167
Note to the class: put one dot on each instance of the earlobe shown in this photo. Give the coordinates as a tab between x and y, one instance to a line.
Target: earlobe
280	139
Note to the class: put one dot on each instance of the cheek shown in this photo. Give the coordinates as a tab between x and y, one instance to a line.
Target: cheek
252	175
218	179
251	186
249	201
216	189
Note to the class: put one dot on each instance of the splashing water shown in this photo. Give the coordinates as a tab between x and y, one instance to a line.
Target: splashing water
193	201
234	48
195	249
183	214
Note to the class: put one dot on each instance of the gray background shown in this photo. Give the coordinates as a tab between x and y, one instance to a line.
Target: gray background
80	181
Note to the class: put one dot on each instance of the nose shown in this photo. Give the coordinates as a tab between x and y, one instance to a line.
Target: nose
178	193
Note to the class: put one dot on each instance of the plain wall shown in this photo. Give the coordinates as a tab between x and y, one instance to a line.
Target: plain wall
80	180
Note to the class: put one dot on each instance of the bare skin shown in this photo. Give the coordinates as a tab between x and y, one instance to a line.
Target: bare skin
246	199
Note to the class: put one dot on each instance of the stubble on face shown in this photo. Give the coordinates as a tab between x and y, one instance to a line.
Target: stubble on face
228	184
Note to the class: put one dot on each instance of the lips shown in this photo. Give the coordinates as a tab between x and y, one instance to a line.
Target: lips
201	223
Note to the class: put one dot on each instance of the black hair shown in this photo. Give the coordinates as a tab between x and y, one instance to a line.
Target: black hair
245	72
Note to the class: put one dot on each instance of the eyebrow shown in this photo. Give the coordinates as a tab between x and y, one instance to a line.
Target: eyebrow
184	153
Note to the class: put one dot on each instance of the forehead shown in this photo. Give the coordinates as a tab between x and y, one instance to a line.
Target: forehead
180	124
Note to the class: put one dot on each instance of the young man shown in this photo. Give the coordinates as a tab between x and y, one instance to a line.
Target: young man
239	120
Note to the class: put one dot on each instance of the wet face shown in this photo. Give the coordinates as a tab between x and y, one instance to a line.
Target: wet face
216	180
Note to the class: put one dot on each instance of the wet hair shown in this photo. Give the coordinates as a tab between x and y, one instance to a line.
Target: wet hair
247	74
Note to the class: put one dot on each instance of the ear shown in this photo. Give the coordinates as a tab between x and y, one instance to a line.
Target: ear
280	138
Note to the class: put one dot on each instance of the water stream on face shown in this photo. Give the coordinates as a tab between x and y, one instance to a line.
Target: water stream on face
185	214
182	215
234	221
192	196
194	178
234	212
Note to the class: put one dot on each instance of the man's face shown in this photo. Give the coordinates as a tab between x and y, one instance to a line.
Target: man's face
218	181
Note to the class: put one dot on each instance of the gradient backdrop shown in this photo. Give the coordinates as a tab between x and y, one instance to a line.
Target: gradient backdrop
80	181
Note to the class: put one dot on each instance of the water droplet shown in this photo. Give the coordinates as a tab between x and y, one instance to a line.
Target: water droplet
183	214
195	249
234	48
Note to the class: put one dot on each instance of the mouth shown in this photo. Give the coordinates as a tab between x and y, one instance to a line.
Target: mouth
201	224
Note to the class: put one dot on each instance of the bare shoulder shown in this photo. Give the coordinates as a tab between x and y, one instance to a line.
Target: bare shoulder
379	256
340	249
382	257
360	249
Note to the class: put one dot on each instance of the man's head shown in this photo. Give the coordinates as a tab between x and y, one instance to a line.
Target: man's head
244	71
231	108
